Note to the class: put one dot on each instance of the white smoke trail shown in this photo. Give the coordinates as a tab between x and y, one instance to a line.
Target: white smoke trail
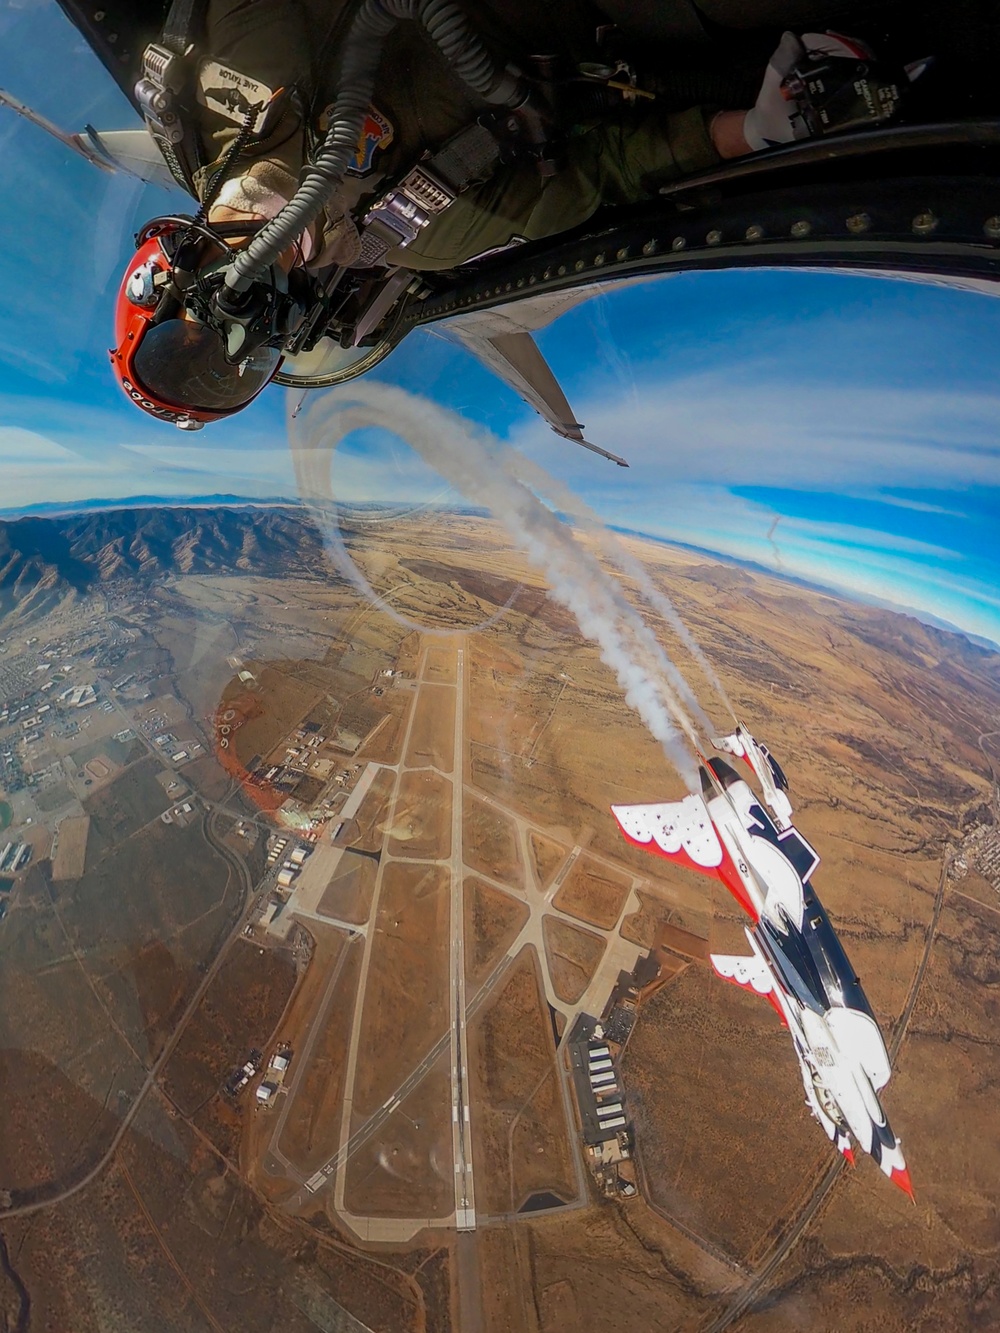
576	578
590	522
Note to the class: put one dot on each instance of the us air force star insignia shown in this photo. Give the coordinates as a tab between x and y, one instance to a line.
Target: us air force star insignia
231	94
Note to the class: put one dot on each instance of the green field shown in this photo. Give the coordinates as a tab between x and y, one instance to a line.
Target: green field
6	815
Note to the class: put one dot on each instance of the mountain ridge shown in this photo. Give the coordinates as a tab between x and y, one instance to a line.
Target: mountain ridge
44	560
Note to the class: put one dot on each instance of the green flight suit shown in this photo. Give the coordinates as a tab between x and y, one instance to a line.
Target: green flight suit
285	44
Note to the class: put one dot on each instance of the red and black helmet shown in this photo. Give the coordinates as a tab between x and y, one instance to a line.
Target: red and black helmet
170	363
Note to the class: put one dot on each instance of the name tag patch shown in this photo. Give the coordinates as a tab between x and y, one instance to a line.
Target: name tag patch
231	94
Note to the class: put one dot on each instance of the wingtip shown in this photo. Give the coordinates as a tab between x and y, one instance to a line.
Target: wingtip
900	1177
848	1156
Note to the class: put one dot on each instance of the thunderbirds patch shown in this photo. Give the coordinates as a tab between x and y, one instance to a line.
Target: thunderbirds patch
231	94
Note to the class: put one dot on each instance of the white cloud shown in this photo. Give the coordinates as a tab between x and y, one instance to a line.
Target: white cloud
19	446
854	560
722	427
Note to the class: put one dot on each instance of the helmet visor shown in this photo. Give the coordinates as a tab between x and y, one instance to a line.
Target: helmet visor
183	364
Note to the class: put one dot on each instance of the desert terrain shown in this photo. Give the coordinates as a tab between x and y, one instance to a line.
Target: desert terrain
442	763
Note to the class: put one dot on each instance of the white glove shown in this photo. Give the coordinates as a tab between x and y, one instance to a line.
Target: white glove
775	118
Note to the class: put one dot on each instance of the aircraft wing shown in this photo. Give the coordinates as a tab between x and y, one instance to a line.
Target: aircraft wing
681	831
503	341
133	151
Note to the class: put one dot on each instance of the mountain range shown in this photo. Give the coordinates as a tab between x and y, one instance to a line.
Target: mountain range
44	560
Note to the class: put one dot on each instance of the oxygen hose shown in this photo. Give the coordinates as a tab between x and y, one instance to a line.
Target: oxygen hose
448	27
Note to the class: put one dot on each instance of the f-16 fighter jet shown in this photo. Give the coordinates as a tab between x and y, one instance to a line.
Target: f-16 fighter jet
769	772
795	959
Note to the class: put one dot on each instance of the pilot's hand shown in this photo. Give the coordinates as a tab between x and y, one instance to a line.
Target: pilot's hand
775	118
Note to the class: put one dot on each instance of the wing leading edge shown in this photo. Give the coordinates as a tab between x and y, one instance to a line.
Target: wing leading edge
683	832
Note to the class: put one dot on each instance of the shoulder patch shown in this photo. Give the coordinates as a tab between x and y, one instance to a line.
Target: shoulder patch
376	133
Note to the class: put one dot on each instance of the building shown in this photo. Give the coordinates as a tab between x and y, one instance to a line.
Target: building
265	1091
604	1122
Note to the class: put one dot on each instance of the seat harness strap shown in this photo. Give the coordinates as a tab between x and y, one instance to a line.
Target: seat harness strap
430	187
165	90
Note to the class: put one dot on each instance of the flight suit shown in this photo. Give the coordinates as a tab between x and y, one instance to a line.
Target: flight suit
419	104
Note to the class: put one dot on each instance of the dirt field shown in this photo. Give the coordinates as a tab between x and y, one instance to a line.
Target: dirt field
547	856
421	825
58	1052
682	942
101	770
489	842
592	894
178	1242
715	1167
615	1266
493	920
147	918
239	1011
283	700
348	896
440	664
573	956
371	817
71	854
123	807
406	1001
521	1143
406	1169
432	738
312	1130
656	912
384	746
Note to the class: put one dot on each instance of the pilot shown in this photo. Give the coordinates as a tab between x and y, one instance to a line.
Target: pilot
514	171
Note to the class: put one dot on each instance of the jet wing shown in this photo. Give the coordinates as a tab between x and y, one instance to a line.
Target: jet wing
503	341
681	831
133	151
517	360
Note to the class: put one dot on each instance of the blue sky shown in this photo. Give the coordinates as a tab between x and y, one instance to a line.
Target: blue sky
837	428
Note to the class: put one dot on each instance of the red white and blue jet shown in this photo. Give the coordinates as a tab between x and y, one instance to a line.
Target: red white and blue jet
796	960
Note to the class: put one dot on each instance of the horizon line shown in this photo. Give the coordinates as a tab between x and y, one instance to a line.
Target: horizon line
222	500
